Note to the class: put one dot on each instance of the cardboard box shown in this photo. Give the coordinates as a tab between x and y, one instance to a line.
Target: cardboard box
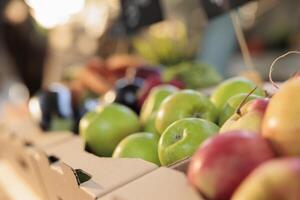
15	139
161	184
70	173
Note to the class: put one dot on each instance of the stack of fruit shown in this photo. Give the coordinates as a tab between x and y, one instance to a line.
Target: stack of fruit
172	123
253	155
257	153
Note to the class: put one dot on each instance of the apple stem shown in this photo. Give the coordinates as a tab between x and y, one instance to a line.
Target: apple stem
238	110
274	62
267	95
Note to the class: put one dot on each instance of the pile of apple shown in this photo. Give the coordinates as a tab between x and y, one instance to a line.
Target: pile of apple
256	156
244	144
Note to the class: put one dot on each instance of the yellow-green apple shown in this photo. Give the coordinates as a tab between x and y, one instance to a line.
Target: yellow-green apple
223	161
182	138
232	104
231	87
108	127
281	122
249	118
85	122
139	145
277	179
149	126
184	104
153	101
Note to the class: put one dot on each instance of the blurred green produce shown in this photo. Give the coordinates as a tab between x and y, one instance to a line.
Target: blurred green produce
194	75
166	44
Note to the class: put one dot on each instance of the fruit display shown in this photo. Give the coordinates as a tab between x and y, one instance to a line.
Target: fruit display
239	141
256	154
150	100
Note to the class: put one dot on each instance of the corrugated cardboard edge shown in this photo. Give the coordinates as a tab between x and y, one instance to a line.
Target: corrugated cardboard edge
161	184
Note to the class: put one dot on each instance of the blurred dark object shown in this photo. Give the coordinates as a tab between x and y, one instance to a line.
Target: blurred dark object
127	92
139	13
214	8
27	47
52	109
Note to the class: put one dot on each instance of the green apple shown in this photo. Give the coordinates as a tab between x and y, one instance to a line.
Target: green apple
108	127
182	138
154	99
231	87
149	126
232	104
139	145
184	104
85	121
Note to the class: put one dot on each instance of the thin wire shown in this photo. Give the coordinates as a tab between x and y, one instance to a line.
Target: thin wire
275	61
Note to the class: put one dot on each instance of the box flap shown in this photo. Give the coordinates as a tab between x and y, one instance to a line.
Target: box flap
68	170
14	149
160	184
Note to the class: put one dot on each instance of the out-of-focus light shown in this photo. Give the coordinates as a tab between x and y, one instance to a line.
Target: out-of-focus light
16	12
49	13
61	37
35	109
86	45
96	18
18	93
109	96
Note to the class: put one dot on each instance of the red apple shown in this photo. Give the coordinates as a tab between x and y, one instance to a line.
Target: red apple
277	179
222	162
250	117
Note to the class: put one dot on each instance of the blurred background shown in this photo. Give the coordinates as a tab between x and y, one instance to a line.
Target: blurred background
43	42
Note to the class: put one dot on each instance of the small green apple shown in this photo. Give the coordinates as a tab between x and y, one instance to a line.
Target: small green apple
139	145
232	104
108	127
231	87
184	104
154	99
182	138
